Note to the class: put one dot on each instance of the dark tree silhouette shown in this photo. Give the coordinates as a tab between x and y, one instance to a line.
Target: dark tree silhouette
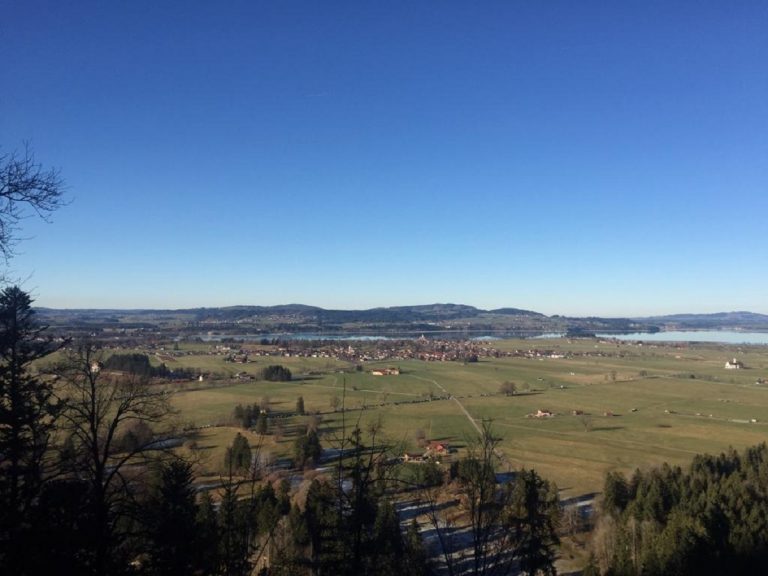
533	519
171	520
28	412
238	457
307	449
25	186
276	373
97	411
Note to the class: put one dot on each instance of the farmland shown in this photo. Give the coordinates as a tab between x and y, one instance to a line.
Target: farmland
614	406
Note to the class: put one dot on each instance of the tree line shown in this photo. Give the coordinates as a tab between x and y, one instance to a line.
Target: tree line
709	519
139	365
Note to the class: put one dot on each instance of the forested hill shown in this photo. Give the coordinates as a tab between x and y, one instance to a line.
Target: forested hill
301	318
395	314
430	317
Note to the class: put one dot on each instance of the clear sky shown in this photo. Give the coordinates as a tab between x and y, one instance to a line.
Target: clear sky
606	158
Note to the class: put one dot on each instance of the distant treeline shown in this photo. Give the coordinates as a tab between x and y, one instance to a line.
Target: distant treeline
139	365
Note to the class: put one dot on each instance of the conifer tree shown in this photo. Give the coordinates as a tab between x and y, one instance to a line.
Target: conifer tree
533	519
387	545
172	528
238	457
28	411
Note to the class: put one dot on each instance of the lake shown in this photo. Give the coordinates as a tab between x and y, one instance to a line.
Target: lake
722	336
384	335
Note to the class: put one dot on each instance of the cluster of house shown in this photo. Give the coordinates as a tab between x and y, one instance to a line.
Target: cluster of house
433	451
424	349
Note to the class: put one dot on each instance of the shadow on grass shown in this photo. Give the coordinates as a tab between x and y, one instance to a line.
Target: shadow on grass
607	428
577	499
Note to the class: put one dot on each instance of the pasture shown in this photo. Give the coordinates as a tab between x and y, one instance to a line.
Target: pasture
615	406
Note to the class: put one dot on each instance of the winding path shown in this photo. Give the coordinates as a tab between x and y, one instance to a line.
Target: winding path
452	397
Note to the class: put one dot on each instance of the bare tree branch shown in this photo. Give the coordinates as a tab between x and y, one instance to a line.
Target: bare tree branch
25	186
98	412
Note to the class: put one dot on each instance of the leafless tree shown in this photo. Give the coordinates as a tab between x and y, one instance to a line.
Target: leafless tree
431	501
98	409
508	388
477	475
25	186
488	550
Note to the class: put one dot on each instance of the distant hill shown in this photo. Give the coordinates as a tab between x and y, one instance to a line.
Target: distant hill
293	318
515	312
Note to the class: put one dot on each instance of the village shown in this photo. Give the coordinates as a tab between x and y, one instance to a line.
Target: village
360	351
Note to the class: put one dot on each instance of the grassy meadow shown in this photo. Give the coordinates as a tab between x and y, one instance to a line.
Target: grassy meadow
620	407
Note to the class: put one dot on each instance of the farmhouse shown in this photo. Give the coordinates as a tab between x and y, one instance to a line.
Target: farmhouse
734	365
438	448
385	372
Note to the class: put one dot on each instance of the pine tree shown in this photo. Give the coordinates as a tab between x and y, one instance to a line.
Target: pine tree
415	558
234	535
326	536
238	457
387	545
208	534
615	493
172	528
27	416
307	449
533	519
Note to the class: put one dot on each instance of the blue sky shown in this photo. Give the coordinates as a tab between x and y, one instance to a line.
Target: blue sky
568	157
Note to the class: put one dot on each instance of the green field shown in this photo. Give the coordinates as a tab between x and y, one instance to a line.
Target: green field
641	405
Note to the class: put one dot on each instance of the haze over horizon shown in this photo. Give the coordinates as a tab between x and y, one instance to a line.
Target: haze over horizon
568	158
